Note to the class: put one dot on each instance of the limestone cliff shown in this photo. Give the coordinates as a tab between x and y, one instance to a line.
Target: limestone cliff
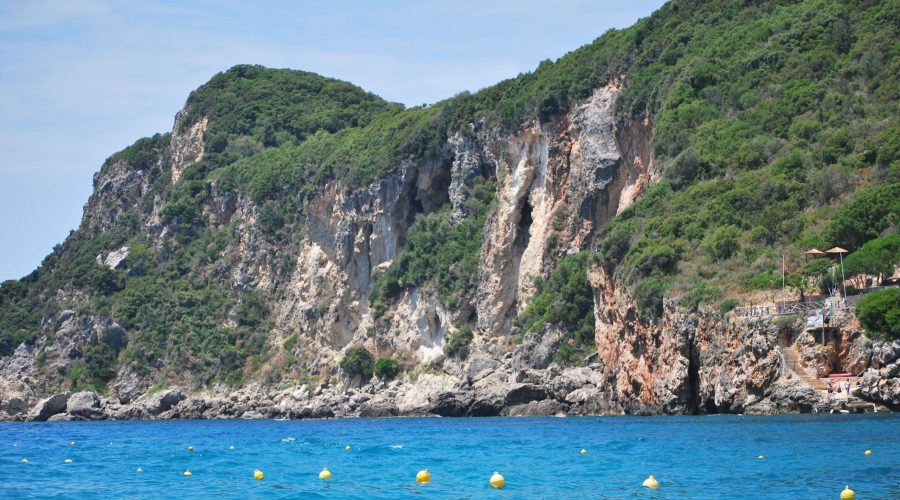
567	178
493	245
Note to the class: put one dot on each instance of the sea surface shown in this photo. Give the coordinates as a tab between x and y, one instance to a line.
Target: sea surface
805	456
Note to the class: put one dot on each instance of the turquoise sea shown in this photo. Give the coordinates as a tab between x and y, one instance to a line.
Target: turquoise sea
805	456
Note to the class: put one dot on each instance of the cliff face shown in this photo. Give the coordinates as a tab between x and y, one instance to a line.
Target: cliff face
568	174
684	363
510	249
566	178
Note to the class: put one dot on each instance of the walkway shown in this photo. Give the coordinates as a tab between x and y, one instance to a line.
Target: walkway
792	362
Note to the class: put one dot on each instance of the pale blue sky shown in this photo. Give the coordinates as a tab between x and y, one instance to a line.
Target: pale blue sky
81	79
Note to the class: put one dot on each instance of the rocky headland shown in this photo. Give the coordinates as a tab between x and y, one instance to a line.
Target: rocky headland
567	242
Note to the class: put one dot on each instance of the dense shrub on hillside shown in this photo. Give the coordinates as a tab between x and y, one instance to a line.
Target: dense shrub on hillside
879	313
358	361
386	368
439	254
458	344
277	106
879	256
766	117
864	217
722	243
700	293
566	301
648	296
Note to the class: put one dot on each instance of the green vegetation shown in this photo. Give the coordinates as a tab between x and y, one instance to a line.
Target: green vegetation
277	106
566	301
767	118
290	342
358	362
698	295
879	313
774	125
878	256
727	305
97	370
864	217
439	254
458	345
145	153
386	368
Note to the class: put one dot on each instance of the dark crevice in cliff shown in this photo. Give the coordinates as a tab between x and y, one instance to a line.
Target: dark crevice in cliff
523	231
434	192
694	377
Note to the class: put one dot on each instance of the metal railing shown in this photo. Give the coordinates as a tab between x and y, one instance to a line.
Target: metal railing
806	307
786	308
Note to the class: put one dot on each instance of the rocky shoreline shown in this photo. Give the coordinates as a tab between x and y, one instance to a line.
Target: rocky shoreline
481	386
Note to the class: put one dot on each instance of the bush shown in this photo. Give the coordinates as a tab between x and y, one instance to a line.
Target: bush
765	280
879	313
879	256
290	342
358	362
727	306
700	294
565	299
865	216
686	167
649	298
458	345
439	254
97	369
253	310
386	368
722	242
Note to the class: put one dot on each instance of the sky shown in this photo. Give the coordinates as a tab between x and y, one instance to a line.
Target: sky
82	79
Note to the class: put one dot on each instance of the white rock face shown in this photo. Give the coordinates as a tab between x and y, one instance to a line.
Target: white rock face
420	325
187	146
558	185
421	395
114	259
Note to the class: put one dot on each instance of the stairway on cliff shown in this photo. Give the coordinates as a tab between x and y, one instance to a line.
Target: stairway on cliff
792	362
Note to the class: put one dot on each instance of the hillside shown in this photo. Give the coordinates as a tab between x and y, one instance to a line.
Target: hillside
642	184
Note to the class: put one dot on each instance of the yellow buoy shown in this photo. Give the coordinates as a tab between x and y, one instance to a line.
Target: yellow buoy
68	460
72	443
187	472
583	451
423	476
650	482
761	457
868	452
347	447
848	494
258	475
325	474
25	460
497	481
190	448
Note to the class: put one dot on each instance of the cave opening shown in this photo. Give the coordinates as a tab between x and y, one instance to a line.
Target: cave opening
437	193
694	379
523	229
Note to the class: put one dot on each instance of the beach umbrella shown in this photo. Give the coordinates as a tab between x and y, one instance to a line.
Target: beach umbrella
840	251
